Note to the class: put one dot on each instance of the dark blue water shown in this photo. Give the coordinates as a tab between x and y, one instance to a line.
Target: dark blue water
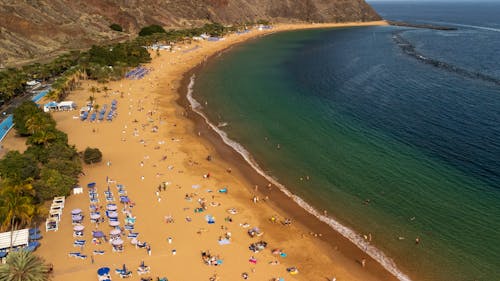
393	145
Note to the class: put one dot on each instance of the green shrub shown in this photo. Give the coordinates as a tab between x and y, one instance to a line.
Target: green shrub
152	29
92	155
116	27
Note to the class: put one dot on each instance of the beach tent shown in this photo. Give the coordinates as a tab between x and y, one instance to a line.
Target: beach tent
66	105
51	224
19	238
50	106
77	190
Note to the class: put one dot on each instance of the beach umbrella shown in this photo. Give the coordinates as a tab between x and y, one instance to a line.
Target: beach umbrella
112	214
115	231
111	207
76	217
76	211
103	271
117	242
124	268
91	184
34	244
95	216
98	234
114	223
78	227
35	236
124	199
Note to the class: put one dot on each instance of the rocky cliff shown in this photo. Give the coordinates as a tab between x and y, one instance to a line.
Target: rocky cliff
32	29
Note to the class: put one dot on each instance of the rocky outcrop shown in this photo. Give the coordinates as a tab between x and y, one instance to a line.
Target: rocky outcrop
31	29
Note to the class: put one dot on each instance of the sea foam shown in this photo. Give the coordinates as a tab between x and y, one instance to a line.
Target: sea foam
350	234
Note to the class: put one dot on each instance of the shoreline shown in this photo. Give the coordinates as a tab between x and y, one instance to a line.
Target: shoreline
332	254
279	197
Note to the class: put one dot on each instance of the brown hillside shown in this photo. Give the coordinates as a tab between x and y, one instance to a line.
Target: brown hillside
32	29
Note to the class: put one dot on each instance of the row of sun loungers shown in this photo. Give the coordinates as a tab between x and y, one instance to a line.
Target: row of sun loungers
137	73
102	113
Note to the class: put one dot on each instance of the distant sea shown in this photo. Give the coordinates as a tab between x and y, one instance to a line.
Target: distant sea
392	143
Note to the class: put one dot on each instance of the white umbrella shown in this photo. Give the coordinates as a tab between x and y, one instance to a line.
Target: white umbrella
78	227
117	242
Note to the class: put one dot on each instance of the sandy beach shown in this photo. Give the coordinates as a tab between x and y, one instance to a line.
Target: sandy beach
155	140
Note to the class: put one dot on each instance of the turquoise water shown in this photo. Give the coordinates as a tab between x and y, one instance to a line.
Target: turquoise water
389	145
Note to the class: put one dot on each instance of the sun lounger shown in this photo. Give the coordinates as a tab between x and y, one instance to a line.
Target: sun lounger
132	235
98	252
93	117
77	255
129	227
79	243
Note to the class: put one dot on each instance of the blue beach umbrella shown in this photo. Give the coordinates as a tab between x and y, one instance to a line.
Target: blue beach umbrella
35	236
98	234
103	271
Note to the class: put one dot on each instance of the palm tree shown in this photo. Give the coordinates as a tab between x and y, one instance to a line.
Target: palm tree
24	266
105	89
42	137
93	90
16	206
35	123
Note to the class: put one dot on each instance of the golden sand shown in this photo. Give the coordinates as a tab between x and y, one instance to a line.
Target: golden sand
140	158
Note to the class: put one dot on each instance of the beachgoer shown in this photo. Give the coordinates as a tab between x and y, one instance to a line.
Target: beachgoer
363	262
417	240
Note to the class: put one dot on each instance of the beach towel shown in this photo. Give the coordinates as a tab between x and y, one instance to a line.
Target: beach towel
224	242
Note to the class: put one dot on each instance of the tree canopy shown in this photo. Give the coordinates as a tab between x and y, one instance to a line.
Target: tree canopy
151	29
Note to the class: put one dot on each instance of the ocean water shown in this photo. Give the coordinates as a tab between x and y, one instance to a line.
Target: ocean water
394	144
